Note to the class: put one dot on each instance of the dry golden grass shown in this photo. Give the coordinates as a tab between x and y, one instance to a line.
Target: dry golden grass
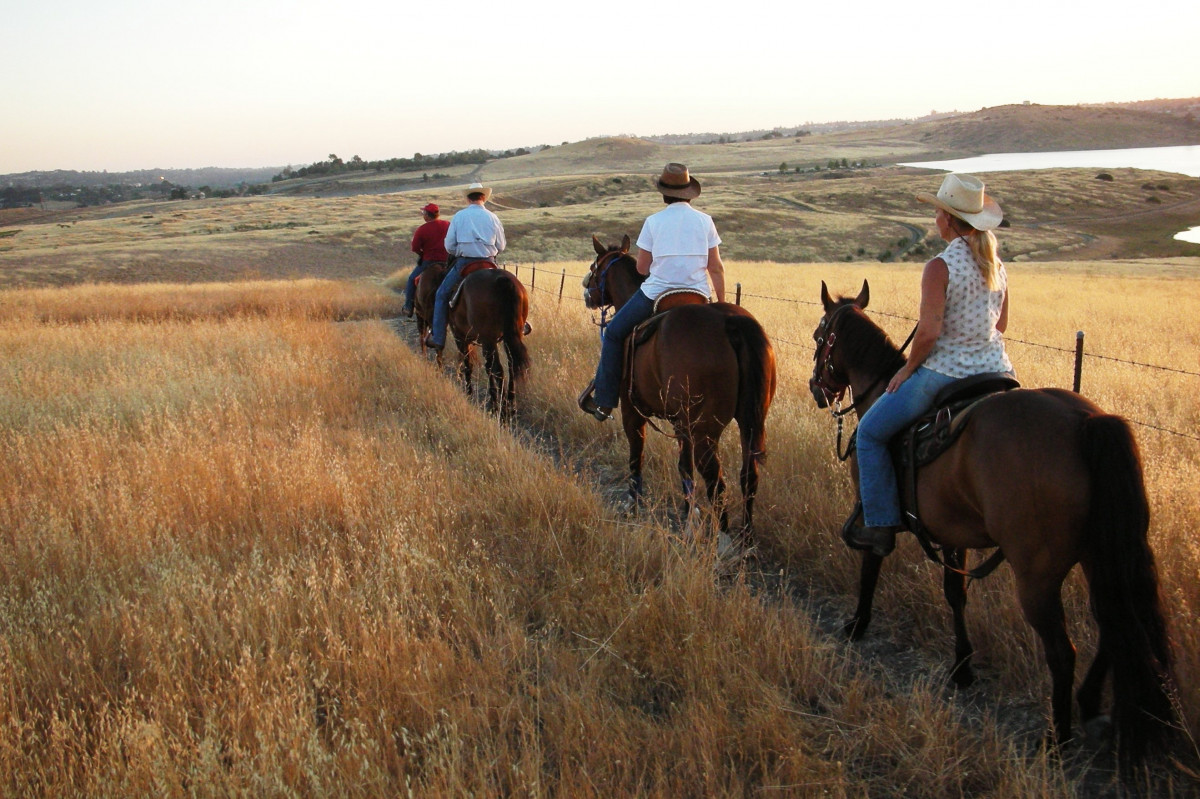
253	550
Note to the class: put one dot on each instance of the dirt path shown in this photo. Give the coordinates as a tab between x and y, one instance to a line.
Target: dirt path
884	654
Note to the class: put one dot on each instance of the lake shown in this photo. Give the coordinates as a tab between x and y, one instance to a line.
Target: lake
1185	160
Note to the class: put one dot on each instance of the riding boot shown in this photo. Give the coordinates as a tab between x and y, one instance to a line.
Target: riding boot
880	540
587	403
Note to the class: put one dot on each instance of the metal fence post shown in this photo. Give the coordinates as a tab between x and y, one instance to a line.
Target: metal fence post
562	282
738	300
1078	360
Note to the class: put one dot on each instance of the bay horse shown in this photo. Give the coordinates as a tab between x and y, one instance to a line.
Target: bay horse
423	297
1052	480
490	308
699	367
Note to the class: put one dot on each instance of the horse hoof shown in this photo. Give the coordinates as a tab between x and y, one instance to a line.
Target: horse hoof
854	629
963	676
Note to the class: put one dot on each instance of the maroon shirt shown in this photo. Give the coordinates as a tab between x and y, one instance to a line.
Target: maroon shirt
429	242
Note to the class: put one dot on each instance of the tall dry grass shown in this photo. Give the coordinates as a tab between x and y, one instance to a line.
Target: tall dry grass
251	551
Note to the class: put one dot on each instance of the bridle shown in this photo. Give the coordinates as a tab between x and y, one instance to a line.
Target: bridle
825	378
832	385
599	274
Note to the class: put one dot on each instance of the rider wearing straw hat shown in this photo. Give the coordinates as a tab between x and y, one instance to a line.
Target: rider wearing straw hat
475	234
677	249
964	312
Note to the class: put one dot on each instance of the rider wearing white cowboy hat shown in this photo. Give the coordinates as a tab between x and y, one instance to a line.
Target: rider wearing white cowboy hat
475	234
960	333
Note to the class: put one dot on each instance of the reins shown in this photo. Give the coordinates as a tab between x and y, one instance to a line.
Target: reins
834	388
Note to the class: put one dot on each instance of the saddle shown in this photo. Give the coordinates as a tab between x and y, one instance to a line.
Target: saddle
922	442
469	269
665	302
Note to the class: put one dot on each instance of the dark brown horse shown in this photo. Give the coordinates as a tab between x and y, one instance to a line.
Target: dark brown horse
701	367
1051	480
423	296
490	309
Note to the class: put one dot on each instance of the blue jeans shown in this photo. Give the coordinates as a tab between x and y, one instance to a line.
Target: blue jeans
636	310
411	287
441	303
890	414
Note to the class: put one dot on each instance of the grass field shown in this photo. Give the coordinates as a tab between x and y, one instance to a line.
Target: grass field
254	545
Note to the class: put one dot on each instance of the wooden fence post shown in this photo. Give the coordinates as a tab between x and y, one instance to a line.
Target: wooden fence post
1078	360
533	278
562	282
738	300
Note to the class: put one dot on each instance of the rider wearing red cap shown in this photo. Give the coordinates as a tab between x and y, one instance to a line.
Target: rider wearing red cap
429	243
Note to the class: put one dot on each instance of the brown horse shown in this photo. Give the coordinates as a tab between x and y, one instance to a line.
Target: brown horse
423	296
700	367
1051	480
491	308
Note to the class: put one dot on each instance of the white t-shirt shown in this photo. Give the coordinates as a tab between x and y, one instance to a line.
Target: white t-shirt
679	238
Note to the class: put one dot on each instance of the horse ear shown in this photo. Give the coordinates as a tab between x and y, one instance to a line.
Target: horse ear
625	244
826	300
863	297
600	250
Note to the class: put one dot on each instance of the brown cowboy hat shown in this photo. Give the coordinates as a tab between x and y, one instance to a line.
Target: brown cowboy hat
676	182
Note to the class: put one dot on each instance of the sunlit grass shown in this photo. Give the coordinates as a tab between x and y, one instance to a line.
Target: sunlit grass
255	546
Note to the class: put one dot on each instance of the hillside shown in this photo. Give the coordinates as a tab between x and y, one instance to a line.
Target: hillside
1043	128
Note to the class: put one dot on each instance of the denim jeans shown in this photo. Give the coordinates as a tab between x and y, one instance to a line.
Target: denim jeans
890	414
441	303
636	309
411	287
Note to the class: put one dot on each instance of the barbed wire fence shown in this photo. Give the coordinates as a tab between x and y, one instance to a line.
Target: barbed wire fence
554	284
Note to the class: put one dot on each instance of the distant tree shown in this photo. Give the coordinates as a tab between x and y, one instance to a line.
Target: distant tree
783	166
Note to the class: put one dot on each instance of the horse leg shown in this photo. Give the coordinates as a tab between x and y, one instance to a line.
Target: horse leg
710	469
954	586
464	364
635	432
510	390
1096	725
868	578
491	360
749	483
1043	609
686	473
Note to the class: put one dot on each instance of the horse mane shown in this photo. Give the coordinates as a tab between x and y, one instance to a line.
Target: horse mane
867	345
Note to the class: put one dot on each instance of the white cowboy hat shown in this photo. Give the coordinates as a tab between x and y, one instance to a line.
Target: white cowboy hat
676	182
963	196
479	188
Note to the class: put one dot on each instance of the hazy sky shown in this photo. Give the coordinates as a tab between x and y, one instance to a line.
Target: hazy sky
139	84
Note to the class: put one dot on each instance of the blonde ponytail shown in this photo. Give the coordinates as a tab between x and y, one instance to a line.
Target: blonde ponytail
984	249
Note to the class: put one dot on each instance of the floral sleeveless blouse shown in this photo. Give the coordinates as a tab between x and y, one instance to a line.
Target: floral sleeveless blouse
969	344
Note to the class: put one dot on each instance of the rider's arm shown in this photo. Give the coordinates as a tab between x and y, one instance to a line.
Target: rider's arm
1002	322
716	272
644	257
451	240
934	280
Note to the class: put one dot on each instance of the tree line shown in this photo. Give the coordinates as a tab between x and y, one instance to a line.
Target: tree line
333	165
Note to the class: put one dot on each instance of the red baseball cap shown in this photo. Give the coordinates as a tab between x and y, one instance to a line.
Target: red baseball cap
431	209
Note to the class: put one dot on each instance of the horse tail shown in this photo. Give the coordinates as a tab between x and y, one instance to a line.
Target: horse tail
515	303
1124	588
756	381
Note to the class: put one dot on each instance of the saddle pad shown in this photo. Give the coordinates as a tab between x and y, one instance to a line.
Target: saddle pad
677	297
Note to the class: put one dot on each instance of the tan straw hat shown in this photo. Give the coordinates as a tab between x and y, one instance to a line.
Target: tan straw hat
963	197
676	182
478	188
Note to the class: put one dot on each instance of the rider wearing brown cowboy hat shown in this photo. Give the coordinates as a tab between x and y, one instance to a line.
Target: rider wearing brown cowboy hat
678	249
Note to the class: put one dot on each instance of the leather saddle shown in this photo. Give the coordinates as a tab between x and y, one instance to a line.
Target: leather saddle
469	269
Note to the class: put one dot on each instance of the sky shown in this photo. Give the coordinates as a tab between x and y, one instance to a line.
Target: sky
139	84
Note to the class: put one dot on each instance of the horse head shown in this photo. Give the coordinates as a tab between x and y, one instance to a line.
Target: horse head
829	380
598	290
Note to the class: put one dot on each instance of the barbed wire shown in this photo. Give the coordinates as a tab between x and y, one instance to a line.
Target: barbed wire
562	275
